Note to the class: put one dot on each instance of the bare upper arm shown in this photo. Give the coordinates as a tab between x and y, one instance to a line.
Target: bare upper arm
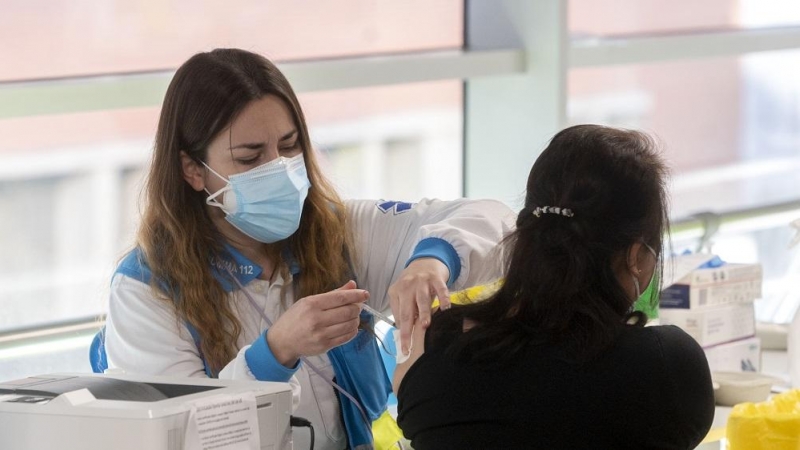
417	349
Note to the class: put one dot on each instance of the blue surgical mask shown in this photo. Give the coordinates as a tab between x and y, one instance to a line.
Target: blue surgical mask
265	202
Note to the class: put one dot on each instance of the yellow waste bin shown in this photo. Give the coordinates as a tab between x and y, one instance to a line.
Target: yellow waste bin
770	425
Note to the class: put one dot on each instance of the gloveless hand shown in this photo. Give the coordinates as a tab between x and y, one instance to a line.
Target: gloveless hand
316	324
412	294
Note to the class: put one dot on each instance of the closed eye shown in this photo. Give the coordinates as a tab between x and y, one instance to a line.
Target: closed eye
249	160
292	148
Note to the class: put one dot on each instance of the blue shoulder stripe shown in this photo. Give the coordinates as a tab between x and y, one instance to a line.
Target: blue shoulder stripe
134	266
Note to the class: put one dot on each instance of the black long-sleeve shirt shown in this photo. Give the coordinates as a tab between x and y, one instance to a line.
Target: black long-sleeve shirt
651	390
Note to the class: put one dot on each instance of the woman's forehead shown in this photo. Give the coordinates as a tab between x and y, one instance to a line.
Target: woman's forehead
265	121
267	117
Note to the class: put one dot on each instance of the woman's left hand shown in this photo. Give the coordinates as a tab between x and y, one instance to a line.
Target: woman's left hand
412	294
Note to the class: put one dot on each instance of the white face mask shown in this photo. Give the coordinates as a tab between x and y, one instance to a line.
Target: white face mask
265	202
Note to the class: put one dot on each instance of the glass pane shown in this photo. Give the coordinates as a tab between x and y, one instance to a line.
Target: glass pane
74	190
613	17
397	142
64	186
767	246
730	127
56	38
69	355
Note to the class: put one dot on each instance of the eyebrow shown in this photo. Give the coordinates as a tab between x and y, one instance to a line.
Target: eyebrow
258	145
288	135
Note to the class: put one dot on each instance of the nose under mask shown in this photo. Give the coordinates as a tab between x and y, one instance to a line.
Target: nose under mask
266	202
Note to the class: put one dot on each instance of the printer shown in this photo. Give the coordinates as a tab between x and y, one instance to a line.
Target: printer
128	412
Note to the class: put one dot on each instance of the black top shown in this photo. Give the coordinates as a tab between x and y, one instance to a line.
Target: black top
651	390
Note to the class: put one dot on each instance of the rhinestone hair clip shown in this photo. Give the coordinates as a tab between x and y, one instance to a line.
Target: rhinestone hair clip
566	212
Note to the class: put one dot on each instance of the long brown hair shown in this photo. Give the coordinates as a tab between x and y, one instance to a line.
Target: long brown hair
560	284
177	236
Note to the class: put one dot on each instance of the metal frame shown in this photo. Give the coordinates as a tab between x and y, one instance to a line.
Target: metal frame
132	90
613	50
736	220
508	119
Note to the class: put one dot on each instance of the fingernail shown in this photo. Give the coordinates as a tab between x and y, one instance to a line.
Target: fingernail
366	295
426	322
405	350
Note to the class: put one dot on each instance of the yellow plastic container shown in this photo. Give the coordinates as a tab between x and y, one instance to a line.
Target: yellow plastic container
770	425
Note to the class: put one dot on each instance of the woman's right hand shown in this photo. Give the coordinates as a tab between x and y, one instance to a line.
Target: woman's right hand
316	324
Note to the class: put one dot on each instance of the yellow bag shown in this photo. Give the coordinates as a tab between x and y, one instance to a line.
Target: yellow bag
770	425
472	295
387	435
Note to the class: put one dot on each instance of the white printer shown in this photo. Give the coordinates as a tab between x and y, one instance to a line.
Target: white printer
127	412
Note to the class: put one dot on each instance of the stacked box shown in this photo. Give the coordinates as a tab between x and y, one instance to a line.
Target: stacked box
713	326
729	284
743	355
715	307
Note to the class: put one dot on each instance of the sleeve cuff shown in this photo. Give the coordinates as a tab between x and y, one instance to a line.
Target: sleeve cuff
441	250
263	364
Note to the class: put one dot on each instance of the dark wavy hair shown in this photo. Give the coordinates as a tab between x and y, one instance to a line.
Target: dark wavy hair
561	285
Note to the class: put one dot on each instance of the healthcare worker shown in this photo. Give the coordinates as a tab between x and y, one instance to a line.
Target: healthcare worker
249	266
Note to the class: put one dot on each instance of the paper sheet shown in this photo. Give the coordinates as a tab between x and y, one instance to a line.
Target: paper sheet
223	422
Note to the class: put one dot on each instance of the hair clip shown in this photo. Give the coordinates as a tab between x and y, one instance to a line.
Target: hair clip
539	210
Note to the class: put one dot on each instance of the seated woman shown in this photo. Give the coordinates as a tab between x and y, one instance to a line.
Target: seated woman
557	358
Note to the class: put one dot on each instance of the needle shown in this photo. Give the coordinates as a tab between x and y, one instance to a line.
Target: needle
377	314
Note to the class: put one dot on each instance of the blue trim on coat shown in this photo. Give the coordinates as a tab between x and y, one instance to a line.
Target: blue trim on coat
443	251
262	362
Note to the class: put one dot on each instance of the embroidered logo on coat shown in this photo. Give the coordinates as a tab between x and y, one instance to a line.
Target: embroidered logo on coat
395	207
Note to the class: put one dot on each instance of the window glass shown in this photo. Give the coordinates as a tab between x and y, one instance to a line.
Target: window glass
730	129
400	142
729	126
767	245
620	17
69	355
58	38
74	192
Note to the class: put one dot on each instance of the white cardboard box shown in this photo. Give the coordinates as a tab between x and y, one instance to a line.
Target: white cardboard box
729	284
736	356
712	326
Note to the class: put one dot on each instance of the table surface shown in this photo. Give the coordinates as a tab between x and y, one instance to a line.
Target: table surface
774	363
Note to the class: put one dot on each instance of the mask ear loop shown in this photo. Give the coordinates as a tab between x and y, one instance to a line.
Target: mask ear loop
212	198
655	268
635	278
636	286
